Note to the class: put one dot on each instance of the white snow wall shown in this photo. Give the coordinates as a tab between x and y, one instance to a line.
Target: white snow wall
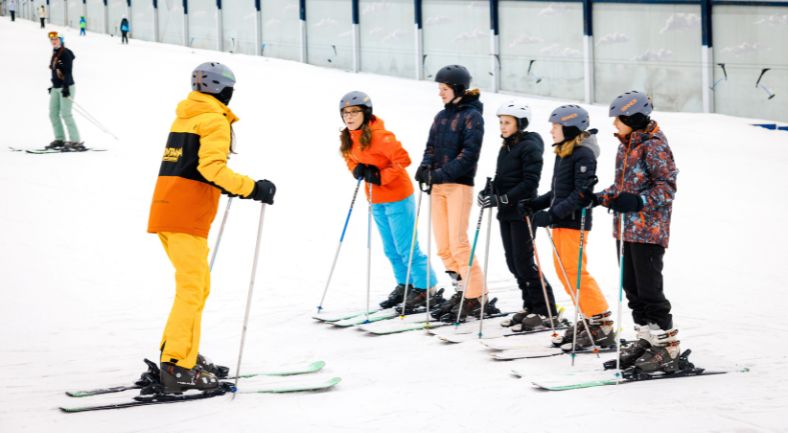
651	45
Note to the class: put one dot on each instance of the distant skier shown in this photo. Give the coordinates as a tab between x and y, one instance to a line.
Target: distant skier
576	152
449	166
643	191
61	97
517	175
124	31
374	154
42	15
83	25
192	176
12	9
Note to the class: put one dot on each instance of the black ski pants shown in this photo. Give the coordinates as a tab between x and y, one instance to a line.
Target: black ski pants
643	284
124	37
520	259
13	15
42	22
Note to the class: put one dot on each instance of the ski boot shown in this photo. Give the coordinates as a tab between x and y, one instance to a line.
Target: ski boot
417	299
470	307
220	371
515	318
176	379
395	297
446	307
55	145
74	146
632	351
663	355
602	335
534	321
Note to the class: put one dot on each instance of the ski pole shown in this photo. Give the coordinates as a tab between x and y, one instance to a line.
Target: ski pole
369	250
249	295
90	118
221	231
541	275
620	290
470	262
429	251
579	278
568	284
486	262
341	239
410	257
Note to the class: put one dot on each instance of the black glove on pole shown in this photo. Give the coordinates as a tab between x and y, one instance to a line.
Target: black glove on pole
626	202
264	191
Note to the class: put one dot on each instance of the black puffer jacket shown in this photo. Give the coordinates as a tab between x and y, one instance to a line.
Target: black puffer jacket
571	175
455	141
61	64
518	172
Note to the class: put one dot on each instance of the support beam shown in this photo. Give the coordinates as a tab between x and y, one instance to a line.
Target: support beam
106	18
302	20
354	6
186	23
155	20
495	47
588	51
707	56
258	8
419	64
219	26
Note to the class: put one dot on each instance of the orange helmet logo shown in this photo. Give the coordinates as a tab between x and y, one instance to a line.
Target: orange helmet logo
569	116
629	105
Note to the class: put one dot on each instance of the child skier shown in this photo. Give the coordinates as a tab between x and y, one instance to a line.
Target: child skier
193	174
61	97
643	193
372	153
517	177
448	167
576	152
83	25
124	31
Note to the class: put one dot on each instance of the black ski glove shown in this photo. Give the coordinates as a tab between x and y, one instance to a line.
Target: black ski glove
542	218
264	191
360	171
587	198
65	92
436	177
485	200
627	202
525	207
372	175
422	173
49	90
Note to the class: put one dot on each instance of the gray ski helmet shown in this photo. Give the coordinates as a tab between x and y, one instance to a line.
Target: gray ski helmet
455	76
212	77
629	103
570	115
355	98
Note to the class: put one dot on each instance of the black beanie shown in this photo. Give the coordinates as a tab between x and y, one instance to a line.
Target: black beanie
636	121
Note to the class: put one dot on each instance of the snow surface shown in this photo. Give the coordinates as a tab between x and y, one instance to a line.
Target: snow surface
85	291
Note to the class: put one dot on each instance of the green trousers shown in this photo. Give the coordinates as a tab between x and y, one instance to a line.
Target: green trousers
59	112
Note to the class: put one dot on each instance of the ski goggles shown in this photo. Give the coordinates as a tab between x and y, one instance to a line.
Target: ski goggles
53	35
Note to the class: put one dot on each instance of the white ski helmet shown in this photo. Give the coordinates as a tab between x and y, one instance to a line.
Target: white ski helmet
518	110
212	77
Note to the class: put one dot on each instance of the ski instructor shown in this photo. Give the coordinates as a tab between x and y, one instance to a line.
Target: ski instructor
193	174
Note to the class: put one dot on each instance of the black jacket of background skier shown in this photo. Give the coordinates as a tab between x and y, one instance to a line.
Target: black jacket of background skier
61	64
571	176
518	171
455	141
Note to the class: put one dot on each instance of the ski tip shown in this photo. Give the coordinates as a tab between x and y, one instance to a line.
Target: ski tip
317	365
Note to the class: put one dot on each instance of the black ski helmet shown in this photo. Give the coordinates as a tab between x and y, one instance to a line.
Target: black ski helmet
455	76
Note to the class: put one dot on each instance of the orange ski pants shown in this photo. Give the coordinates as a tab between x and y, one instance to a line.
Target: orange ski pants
567	243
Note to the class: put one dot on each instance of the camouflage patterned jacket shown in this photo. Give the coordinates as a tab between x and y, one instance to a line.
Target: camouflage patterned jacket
645	166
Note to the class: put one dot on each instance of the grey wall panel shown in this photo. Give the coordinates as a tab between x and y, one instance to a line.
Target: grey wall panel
458	32
141	21
329	41
95	16
117	11
57	12
388	37
653	48
542	48
74	12
171	21
240	20
748	40
281	29
203	31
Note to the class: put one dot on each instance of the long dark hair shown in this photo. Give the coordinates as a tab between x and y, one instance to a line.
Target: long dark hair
346	143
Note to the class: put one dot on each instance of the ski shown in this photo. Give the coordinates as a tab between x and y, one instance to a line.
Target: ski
341	315
545	352
154	399
388	313
492	333
226	387
397	326
312	367
44	151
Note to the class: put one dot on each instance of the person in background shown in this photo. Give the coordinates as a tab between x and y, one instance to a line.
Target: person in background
124	31
83	25
12	9
42	15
